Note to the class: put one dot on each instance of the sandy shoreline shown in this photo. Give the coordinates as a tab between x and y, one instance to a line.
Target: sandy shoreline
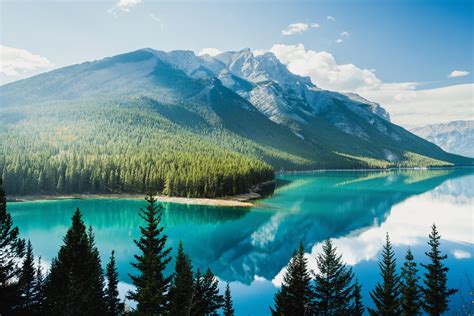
243	200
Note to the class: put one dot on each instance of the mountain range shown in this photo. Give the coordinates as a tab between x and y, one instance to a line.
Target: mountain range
455	137
243	103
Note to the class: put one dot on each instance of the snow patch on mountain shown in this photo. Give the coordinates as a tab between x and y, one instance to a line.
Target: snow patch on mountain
455	137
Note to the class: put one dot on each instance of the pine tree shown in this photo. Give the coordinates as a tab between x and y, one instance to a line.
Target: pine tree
211	298
96	275
410	288
294	296
39	290
26	281
386	295
435	292
197	303
228	305
181	289
151	285
358	308
333	288
112	301
74	283
12	251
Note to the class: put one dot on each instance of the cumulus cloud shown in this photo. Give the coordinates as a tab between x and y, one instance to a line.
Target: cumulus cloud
123	6
16	63
339	40
345	34
323	69
330	18
461	254
297	28
126	5
458	73
408	104
209	51
411	107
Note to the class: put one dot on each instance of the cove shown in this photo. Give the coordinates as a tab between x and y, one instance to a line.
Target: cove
250	247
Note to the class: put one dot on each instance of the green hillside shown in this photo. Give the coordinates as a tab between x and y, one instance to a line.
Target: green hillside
133	122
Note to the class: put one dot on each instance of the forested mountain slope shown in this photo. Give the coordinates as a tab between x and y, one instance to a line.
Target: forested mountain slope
189	126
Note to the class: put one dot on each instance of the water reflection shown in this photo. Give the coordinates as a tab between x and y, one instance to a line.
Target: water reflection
251	247
322	205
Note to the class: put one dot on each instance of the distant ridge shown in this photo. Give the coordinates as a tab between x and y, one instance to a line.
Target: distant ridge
456	136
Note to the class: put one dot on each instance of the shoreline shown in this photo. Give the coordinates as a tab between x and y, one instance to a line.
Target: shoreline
241	200
371	169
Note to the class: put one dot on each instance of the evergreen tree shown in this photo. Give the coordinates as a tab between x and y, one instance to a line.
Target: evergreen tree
357	307
410	288
11	253
228	305
26	281
96	275
39	290
294	296
112	301
181	290
333	289
212	299
206	299
386	295
74	283
151	285
197	304
435	292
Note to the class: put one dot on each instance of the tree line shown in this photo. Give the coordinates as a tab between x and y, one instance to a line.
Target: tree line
332	290
176	174
89	149
77	285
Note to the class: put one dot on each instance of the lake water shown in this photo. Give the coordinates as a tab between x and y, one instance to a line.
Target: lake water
250	247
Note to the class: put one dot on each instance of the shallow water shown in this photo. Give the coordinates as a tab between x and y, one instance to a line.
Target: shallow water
249	247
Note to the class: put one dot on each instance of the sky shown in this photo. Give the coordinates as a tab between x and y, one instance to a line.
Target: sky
415	57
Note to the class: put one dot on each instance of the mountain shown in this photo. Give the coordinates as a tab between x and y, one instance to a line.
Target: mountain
189	125
455	137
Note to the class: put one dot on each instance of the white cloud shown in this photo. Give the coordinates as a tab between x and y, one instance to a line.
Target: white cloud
407	105
458	73
412	108
461	254
330	18
209	51
345	34
339	40
297	28
323	70
16	63
126	5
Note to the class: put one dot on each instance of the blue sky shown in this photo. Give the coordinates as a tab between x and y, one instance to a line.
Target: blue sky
405	41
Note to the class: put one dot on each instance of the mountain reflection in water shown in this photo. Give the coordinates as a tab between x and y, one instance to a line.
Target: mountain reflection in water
250	247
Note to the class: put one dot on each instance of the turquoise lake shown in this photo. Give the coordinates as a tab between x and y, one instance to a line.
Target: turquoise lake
250	247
